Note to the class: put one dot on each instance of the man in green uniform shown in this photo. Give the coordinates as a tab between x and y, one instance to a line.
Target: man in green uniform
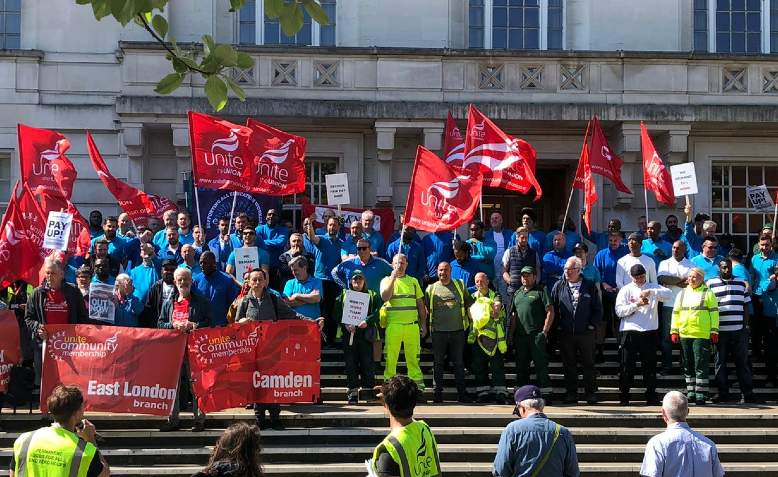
66	448
529	326
410	449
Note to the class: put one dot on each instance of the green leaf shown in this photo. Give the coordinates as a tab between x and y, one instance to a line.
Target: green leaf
123	10
208	44
101	9
147	17
273	8
143	6
179	65
245	61
226	55
160	25
316	12
216	91
169	83
235	88
159	4
83	2
291	19
236	5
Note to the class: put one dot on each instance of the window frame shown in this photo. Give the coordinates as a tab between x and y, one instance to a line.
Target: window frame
259	27
4	35
764	25
543	29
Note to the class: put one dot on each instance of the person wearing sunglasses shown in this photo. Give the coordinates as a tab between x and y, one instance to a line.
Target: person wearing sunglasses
262	261
373	268
709	259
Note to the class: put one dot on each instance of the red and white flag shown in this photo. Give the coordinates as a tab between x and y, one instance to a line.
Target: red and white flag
18	257
136	203
441	197
453	144
221	157
504	161
603	160
278	164
585	181
43	163
656	177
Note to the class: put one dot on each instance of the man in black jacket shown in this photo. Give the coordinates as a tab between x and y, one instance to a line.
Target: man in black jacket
185	311
578	312
53	303
160	291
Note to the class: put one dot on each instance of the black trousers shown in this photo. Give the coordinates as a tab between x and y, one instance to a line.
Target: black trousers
733	343
273	409
453	343
331	292
575	349
632	344
358	358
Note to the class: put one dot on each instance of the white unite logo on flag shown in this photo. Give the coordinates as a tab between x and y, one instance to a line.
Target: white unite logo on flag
46	165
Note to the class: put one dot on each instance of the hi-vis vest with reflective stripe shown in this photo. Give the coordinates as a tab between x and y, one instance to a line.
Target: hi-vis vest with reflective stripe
401	309
52	452
414	450
488	331
696	313
460	286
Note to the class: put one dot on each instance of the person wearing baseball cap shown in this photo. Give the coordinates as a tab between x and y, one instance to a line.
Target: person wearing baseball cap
635	256
534	444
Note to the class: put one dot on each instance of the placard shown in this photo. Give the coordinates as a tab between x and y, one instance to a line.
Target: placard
684	179
760	198
337	189
355	307
101	302
246	258
57	230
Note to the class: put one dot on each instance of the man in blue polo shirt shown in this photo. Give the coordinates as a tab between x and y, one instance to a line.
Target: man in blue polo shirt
554	260
694	241
263	260
236	237
349	249
272	236
601	239
184	222
116	244
220	289
654	246
464	267
146	273
169	220
417	262
373	268
303	292
326	252
762	269
371	234
709	259
437	248
221	245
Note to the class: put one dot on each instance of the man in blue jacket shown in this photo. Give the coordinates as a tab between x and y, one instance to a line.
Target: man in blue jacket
437	248
272	236
218	287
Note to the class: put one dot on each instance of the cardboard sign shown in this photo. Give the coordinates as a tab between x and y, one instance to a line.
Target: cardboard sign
57	230
246	258
355	307
684	179
101	304
337	189
760	198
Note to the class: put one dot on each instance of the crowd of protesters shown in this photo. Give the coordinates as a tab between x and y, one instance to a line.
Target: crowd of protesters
474	300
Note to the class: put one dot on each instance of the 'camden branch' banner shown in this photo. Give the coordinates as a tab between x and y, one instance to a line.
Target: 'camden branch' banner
263	361
10	353
124	370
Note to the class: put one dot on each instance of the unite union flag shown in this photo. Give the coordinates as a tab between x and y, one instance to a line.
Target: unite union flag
656	177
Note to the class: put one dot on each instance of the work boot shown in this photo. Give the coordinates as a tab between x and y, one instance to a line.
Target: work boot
463	398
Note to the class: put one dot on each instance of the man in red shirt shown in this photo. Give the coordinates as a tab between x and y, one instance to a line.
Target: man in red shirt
53	303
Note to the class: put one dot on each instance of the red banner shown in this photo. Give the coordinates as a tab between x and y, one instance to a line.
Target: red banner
136	203
583	175
454	143
221	157
263	361
10	352
279	160
656	177
384	217
125	370
19	258
43	163
440	197
79	240
603	160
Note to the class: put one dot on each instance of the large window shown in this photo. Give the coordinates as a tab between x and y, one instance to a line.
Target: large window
774	26
700	25
730	207
10	23
516	24
738	26
268	31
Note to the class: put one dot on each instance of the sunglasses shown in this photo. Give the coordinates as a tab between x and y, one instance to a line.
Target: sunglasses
249	233
362	248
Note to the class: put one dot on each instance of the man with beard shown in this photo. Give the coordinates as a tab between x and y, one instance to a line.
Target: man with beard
158	293
169	220
634	257
95	224
101	247
218	287
184	222
115	244
673	231
601	239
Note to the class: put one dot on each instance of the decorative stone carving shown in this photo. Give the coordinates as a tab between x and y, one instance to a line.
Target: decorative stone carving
734	79
325	74
243	76
284	73
770	82
571	77
531	77
491	76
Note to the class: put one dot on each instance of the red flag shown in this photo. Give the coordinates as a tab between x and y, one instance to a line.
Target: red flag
221	157
279	160
10	351
43	163
136	203
603	160
454	143
18	256
504	161
34	228
585	181
656	177
79	240
441	197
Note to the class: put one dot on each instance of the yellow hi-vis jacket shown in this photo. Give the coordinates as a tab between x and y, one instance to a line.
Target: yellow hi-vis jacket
413	448
696	313
52	452
401	308
487	330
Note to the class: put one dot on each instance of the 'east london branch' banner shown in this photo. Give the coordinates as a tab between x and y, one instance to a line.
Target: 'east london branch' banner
260	361
119	369
10	353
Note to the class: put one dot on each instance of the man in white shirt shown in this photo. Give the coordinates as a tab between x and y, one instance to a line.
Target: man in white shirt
634	257
680	451
672	274
637	307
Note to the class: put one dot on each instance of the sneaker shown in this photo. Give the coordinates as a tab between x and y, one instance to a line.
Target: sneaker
198	426
168	427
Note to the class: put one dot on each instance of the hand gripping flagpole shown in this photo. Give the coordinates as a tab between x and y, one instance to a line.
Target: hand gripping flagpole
572	187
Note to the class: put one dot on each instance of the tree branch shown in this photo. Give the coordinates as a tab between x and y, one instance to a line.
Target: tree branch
164	44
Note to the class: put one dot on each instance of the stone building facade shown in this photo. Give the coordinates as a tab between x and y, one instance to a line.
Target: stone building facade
380	79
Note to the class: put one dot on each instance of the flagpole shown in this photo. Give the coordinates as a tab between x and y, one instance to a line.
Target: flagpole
572	187
775	219
294	215
645	198
197	205
232	210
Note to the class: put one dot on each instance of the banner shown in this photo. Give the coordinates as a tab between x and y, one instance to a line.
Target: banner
215	204
10	351
279	160
656	177
259	361
43	163
246	259
19	258
101	303
119	369
440	197
136	203
453	144
355	307
221	157
384	217
760	198
57	230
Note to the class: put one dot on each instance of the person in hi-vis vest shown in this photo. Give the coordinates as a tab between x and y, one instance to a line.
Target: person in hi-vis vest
410	449
66	448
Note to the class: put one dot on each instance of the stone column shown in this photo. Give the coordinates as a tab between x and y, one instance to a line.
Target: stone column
383	173
183	154
132	138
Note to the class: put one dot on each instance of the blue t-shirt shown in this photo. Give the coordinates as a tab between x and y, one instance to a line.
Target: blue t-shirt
274	240
221	250
761	269
709	266
115	247
553	266
160	238
591	273
186	238
437	248
375	269
536	241
606	260
194	269
327	256
220	290
143	278
650	248
311	310
572	239
264	260
349	246
376	241
417	262
465	271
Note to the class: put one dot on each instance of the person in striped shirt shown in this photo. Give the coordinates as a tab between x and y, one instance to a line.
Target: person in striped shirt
733	297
